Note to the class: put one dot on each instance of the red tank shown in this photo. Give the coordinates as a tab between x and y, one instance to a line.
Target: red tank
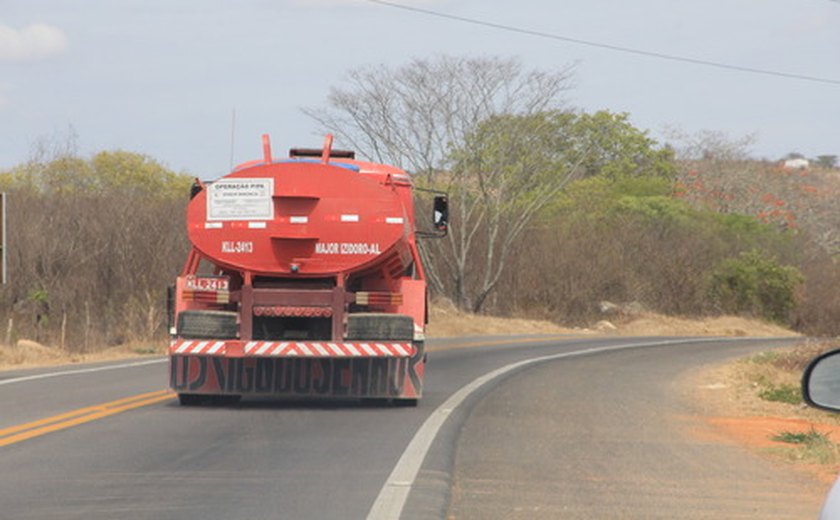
303	279
299	217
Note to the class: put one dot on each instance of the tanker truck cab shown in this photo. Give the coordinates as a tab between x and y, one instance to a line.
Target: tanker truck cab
303	281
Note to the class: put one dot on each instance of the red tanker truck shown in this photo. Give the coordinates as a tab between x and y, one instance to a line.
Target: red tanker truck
303	280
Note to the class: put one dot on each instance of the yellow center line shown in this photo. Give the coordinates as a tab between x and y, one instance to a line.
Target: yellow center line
22	432
40	427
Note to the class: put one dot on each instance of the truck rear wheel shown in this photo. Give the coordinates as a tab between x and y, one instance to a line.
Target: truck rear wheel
191	399
199	399
379	326
225	400
207	324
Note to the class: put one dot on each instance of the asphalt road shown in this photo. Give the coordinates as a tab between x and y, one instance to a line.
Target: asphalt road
148	458
615	437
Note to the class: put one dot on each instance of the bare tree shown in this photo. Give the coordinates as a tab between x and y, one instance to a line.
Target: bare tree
710	145
421	116
411	116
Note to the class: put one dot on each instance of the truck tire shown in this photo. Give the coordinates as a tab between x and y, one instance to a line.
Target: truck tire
212	400
191	399
207	324
379	326
225	400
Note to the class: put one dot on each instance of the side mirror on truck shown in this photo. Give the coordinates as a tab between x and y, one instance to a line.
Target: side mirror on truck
441	213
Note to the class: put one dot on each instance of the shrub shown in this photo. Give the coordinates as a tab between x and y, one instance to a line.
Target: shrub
757	285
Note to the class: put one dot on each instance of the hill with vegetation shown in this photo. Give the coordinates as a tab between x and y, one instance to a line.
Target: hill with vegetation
556	214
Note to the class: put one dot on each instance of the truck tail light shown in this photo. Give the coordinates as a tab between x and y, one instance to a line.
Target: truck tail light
206	289
378	299
288	311
194	295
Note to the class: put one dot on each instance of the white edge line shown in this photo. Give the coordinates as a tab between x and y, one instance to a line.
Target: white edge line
82	371
394	493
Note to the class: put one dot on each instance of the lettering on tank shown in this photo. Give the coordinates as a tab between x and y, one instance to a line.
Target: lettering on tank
237	246
347	248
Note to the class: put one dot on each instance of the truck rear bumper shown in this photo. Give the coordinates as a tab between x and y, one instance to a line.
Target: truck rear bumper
232	348
392	370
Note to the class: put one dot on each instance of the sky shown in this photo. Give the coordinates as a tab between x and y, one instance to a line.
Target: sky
164	77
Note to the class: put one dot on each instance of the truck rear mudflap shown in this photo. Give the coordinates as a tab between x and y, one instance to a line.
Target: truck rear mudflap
287	369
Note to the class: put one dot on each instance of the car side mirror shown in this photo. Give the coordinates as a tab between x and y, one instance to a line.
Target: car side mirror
821	381
441	213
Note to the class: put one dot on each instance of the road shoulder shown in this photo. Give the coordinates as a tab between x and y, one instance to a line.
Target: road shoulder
743	402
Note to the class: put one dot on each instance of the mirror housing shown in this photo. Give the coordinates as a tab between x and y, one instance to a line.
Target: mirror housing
821	381
441	213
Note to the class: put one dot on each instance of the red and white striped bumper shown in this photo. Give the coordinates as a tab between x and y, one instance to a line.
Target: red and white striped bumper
233	348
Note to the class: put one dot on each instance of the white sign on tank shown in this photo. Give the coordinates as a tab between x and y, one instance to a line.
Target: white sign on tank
240	199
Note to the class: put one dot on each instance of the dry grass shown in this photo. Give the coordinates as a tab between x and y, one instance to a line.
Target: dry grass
29	354
740	388
808	447
445	321
657	325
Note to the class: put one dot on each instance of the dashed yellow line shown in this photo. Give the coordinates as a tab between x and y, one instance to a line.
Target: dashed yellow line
23	432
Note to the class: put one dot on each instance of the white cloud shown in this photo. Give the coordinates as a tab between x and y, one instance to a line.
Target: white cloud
34	42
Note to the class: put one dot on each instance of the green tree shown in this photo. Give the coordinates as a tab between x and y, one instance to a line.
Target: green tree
112	172
614	148
826	161
513	166
507	170
129	172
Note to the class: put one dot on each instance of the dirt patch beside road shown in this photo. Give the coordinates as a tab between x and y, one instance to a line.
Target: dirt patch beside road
756	402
